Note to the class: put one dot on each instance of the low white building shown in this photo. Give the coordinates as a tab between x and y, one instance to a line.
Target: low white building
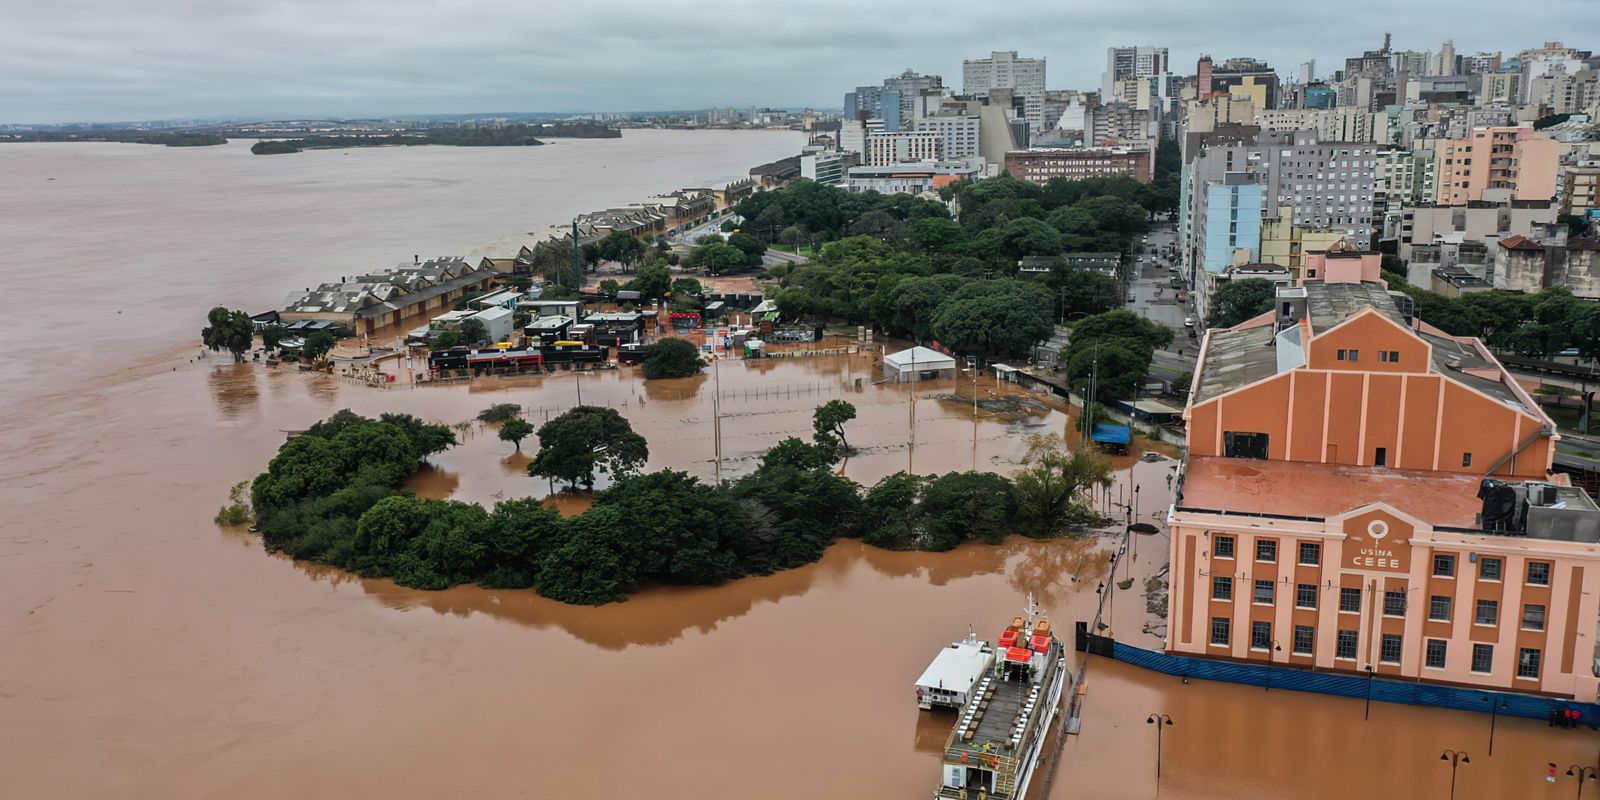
918	364
497	321
914	178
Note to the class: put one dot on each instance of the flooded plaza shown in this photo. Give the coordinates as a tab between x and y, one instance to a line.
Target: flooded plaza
148	653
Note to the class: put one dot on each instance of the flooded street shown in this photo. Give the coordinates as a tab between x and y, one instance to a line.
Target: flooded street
146	653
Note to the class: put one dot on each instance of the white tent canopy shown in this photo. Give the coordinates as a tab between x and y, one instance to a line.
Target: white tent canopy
912	362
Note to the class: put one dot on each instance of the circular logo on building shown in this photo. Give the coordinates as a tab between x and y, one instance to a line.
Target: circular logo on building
1378	528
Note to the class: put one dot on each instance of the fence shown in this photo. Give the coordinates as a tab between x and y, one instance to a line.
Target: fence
1343	685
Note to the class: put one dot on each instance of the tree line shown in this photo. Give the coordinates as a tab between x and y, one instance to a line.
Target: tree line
333	495
901	264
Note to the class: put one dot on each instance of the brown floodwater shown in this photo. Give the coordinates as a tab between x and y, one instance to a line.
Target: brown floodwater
146	653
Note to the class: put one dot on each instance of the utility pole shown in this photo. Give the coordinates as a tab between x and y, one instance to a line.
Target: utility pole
911	449
972	365
716	412
577	257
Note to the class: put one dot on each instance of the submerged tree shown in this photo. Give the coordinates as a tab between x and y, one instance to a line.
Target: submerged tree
586	440
514	430
672	358
828	422
1052	486
228	330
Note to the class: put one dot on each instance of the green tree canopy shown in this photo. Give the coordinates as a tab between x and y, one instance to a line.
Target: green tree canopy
1053	485
317	346
474	331
1237	301
271	335
1004	318
228	330
1120	324
620	247
1118	367
586	440
672	358
515	430
652	281
828	424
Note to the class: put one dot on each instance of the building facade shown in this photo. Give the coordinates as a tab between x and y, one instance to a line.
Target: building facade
962	134
1366	494
1504	163
909	178
1039	165
1003	69
894	148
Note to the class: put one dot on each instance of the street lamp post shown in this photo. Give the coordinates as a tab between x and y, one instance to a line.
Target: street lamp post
1367	715
1495	704
1456	759
1581	774
1276	648
1160	721
972	366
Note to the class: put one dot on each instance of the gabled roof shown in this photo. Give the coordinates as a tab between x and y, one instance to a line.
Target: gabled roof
1519	242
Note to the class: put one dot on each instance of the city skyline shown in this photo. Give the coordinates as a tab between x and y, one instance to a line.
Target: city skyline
101	61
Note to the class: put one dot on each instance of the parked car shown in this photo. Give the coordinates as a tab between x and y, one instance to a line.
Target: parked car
1188	322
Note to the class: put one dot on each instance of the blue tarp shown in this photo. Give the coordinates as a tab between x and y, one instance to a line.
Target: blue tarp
1356	686
1111	434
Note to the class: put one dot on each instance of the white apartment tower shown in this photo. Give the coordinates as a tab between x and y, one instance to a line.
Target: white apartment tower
1004	70
1123	63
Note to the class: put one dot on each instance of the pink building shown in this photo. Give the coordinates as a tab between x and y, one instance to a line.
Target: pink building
1514	163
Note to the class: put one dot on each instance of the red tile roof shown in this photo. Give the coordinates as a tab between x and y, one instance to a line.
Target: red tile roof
1519	242
1302	489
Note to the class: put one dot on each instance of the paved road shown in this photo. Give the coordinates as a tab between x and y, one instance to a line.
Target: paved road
689	236
1156	300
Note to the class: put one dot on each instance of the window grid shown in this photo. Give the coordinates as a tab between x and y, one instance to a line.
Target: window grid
1345	645
1528	659
1223	546
1437	648
1304	638
1483	658
1310	554
1389	649
1221	588
1267	550
1220	630
1533	617
1260	635
1444	566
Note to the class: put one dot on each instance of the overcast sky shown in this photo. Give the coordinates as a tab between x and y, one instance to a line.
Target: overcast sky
69	60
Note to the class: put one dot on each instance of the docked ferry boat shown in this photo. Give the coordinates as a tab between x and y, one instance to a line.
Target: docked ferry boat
949	679
1001	727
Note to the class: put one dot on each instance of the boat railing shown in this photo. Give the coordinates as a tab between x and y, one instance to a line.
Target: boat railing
955	747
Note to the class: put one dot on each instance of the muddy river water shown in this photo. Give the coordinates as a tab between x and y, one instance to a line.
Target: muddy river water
146	653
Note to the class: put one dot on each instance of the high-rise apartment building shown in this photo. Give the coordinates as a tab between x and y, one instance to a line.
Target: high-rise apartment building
1003	69
1506	163
961	133
885	149
1149	64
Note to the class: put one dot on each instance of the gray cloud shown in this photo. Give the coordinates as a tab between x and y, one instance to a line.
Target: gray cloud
67	60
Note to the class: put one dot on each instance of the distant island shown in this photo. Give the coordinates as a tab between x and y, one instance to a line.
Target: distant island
507	136
167	138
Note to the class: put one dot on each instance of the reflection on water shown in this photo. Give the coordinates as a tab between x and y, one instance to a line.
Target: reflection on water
233	388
